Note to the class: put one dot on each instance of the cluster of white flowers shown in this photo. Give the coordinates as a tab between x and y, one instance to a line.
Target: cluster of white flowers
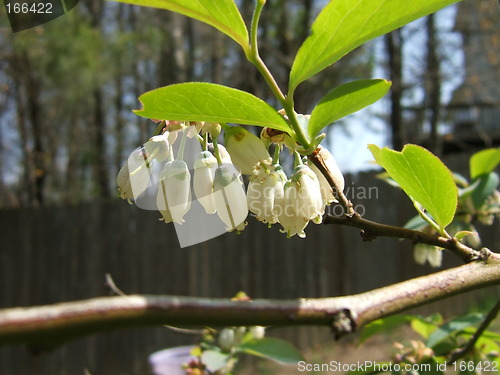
217	183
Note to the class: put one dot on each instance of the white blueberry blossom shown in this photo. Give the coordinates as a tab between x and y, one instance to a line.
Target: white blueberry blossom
301	202
427	253
175	191
230	198
204	170
265	188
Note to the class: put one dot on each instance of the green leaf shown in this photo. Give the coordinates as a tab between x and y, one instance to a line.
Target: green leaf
452	327
221	14
214	360
344	100
280	351
384	325
423	177
423	327
194	101
484	161
416	223
488	183
344	25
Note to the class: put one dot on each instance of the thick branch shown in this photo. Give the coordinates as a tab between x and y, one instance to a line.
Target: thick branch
47	326
371	230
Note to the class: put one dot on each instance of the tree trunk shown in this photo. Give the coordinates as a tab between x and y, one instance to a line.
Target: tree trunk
433	85
394	51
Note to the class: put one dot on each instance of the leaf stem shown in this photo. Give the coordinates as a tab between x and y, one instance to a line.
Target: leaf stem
254	57
276	155
180	153
431	222
217	151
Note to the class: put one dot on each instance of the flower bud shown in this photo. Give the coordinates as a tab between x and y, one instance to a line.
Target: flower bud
326	190
246	149
230	197
176	192
226	339
258	332
204	169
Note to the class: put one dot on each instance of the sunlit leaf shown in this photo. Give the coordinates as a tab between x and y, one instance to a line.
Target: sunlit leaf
221	14
423	327
423	177
484	161
344	100
344	25
195	101
280	351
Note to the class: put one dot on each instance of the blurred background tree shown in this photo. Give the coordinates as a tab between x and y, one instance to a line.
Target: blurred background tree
67	88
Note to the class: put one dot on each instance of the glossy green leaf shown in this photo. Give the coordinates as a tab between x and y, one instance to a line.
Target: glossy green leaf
488	183
280	351
344	100
344	25
195	101
221	14
452	327
484	161
423	177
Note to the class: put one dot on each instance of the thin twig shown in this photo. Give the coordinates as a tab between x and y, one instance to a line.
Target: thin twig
371	230
111	283
459	353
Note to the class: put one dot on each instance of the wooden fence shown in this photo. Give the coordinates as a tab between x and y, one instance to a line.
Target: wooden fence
58	254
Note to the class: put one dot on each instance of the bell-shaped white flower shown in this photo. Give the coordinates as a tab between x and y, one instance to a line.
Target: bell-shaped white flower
246	149
301	202
266	187
204	171
326	190
423	253
174	191
162	204
230	197
140	173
